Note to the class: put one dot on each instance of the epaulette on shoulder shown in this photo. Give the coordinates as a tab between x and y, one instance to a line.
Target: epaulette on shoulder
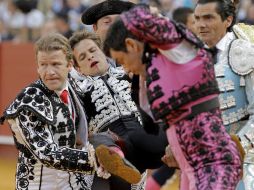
31	99
244	31
241	56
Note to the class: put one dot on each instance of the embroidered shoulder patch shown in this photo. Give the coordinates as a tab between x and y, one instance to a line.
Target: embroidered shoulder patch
241	56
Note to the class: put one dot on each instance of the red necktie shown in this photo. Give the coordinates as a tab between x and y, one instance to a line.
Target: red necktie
64	96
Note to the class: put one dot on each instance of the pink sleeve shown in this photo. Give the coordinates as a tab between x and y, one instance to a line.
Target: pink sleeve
158	31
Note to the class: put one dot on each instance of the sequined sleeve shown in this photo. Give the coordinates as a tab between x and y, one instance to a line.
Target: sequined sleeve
247	132
39	139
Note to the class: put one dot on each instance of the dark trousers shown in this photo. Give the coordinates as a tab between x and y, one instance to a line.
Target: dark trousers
162	174
143	150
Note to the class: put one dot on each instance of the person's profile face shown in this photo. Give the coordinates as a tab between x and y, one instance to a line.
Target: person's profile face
102	25
90	58
53	69
132	59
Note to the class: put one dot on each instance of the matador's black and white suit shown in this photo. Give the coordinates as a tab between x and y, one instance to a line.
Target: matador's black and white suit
45	135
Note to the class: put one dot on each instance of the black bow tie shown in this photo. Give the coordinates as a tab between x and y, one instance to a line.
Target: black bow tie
214	52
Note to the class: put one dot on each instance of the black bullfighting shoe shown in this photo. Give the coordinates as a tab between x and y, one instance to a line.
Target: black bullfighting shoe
116	165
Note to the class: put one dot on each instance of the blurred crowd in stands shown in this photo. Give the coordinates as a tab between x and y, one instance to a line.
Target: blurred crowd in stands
26	20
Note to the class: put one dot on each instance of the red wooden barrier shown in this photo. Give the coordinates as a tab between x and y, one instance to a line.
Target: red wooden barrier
17	70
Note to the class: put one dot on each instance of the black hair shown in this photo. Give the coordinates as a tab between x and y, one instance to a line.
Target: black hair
115	38
225	8
181	14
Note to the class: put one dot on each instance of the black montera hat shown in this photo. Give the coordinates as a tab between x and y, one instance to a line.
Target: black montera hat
108	7
26	6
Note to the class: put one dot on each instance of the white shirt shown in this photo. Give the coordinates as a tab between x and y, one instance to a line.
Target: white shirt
223	44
